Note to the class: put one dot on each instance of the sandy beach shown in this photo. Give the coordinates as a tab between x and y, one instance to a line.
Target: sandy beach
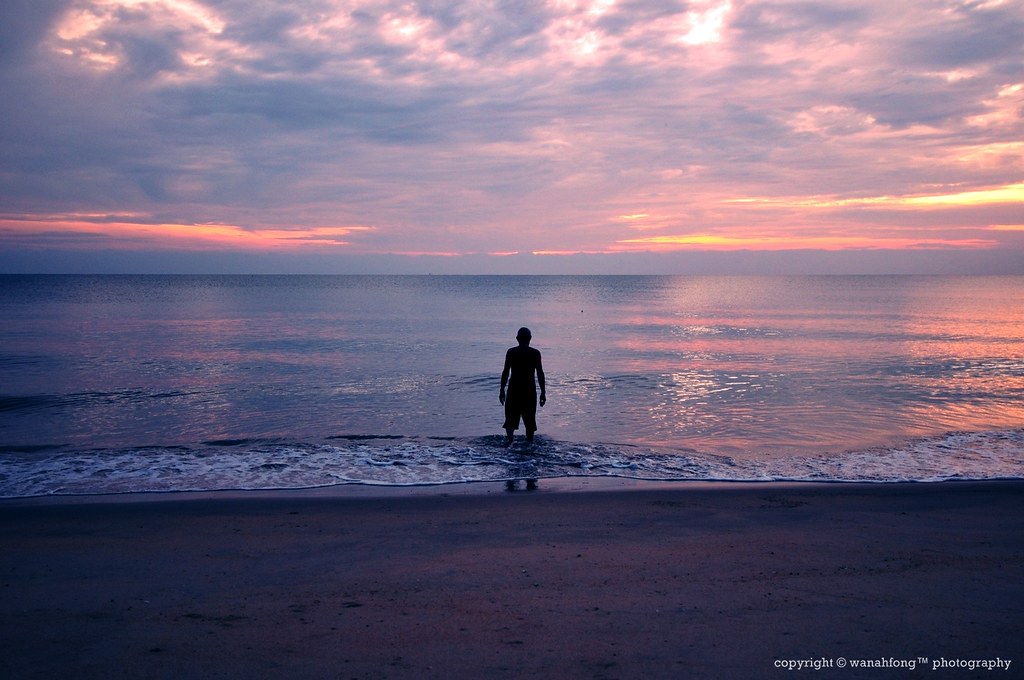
678	581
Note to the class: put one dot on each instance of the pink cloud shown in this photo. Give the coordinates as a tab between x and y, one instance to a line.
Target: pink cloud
556	127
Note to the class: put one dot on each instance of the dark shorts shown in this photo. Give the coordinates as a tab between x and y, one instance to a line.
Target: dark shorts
521	405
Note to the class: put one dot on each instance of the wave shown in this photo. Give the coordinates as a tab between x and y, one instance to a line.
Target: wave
393	460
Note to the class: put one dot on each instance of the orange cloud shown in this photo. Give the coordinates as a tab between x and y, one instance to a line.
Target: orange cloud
1010	193
718	242
115	231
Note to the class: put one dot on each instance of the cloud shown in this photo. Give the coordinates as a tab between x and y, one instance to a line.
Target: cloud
23	23
517	126
970	34
142	231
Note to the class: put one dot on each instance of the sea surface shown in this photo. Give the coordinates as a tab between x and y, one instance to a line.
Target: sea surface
122	384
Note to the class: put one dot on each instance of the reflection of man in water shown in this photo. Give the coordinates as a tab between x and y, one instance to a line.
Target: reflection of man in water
521	362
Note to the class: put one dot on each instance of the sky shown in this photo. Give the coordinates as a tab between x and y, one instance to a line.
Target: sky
556	136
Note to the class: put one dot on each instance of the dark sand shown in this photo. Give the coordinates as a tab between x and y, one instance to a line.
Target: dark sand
681	582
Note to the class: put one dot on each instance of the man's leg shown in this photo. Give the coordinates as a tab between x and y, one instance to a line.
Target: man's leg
530	417
511	419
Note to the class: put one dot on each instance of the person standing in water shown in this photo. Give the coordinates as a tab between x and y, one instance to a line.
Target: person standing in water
521	363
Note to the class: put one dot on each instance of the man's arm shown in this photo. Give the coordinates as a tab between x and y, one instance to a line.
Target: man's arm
504	376
540	379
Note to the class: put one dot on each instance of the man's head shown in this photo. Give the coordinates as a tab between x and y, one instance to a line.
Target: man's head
524	335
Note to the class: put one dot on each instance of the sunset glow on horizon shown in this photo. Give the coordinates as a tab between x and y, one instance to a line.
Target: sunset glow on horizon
350	128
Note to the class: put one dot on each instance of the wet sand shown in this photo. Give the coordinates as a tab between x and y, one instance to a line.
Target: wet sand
661	582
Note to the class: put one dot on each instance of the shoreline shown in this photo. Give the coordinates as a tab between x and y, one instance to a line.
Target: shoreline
561	485
716	581
991	455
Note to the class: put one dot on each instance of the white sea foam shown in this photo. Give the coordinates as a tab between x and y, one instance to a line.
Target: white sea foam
257	465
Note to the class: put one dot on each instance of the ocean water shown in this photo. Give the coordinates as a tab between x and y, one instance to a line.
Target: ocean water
120	384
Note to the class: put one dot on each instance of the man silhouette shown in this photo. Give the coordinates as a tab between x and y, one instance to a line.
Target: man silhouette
521	363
